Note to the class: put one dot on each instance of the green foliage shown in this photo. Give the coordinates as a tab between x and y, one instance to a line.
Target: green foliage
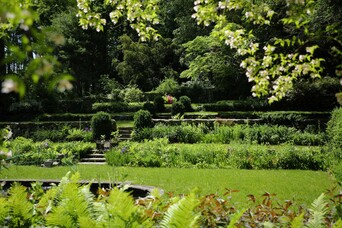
159	104
102	125
181	214
73	205
131	94
186	101
255	134
75	134
177	108
168	86
143	119
140	16
159	153
334	128
272	59
149	106
317	212
29	108
54	135
185	133
116	107
19	208
27	152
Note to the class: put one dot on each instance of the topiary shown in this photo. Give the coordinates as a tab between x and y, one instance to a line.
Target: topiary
186	101
159	104
149	106
177	108
143	119
102	124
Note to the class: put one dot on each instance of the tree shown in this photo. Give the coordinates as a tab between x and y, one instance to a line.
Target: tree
273	61
25	49
145	64
210	60
141	15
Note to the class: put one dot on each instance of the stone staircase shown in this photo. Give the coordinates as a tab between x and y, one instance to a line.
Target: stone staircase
125	133
97	157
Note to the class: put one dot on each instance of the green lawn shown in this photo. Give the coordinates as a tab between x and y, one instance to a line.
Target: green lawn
302	186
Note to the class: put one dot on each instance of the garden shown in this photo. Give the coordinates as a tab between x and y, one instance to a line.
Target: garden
170	113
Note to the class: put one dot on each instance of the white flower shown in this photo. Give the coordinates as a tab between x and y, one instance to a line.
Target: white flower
64	85
9	86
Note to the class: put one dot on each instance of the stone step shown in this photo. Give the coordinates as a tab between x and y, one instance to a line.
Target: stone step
93	159
124	139
96	155
92	163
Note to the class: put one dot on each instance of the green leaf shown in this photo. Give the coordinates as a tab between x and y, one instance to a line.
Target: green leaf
181	214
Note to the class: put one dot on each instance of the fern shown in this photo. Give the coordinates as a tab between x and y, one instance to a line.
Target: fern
298	221
317	211
20	209
74	204
181	214
4	210
338	224
123	213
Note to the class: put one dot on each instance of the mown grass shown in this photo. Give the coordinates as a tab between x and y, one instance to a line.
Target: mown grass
301	186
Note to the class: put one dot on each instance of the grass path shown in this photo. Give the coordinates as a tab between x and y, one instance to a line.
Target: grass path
302	186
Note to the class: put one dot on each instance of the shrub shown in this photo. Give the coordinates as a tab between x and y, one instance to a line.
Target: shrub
131	94
168	86
31	107
102	124
334	129
184	133
83	105
159	104
142	119
54	135
110	107
186	101
177	108
75	134
148	106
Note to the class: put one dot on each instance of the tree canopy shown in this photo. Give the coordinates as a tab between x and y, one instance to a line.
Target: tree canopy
141	43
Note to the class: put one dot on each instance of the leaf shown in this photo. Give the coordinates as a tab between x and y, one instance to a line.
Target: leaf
122	211
181	214
235	218
317	211
298	221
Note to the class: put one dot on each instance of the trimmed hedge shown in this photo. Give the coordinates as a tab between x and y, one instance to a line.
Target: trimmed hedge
116	107
102	125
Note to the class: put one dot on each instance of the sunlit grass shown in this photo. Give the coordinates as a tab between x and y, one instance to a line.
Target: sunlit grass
301	186
124	123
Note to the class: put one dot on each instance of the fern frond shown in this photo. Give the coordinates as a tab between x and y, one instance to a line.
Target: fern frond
181	214
74	204
235	218
21	210
317	211
298	221
4	210
338	224
121	207
58	217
